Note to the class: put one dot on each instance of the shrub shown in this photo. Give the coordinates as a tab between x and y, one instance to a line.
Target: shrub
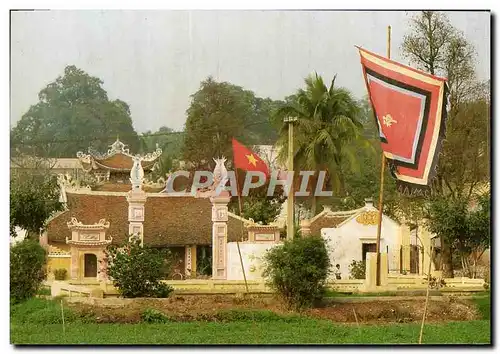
27	269
137	271
297	270
60	274
154	316
357	270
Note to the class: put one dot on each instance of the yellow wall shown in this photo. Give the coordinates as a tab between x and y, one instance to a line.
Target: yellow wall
54	263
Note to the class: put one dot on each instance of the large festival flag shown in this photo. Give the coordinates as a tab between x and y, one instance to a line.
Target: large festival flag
410	113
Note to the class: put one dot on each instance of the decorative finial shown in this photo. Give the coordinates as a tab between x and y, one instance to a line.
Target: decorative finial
137	173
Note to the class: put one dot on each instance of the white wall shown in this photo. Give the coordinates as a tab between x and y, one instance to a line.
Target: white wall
345	243
251	253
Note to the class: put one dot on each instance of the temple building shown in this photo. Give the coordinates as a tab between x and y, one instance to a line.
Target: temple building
123	203
111	170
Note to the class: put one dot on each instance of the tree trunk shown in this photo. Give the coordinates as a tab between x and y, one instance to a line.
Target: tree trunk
446	259
313	206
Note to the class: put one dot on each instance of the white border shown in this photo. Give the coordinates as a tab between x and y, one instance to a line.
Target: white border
187	4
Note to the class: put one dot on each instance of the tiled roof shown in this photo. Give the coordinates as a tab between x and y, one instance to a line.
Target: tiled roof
325	221
121	162
123	187
169	221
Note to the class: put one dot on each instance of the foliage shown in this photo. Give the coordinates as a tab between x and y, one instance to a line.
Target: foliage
137	271
27	269
73	111
466	231
220	111
258	205
327	125
261	210
357	269
34	197
298	270
60	274
154	316
434	45
204	261
171	142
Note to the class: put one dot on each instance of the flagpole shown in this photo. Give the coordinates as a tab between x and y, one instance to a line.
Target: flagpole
242	230
382	173
290	199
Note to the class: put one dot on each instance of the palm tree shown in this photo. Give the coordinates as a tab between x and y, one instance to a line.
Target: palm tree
327	123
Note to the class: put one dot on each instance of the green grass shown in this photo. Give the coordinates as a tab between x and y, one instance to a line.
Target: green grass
38	321
299	332
483	304
44	291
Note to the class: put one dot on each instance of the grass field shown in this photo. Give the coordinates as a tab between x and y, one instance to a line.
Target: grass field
39	322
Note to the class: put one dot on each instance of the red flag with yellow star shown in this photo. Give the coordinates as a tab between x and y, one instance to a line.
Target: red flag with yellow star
410	113
247	160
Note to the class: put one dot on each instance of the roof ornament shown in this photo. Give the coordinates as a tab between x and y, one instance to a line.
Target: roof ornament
117	147
220	172
137	173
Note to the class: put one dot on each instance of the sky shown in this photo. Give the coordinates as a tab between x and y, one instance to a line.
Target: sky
154	60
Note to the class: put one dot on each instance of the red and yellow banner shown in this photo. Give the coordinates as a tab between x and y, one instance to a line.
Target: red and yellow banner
410	113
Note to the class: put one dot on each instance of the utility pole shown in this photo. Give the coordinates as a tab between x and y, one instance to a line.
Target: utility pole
290	200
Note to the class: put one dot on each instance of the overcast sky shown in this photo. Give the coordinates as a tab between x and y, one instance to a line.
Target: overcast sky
154	60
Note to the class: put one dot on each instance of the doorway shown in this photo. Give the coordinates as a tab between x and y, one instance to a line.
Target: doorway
368	247
90	265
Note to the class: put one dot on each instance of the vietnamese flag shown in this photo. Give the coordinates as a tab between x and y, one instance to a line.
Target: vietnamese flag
247	160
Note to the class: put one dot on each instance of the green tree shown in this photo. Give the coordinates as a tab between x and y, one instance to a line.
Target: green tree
327	125
434	45
479	232
137	271
258	205
34	197
27	269
73	112
215	116
171	142
297	270
220	111
467	232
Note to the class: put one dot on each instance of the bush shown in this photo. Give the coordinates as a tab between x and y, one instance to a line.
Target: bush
137	271
154	316
357	270
27	269
297	271
60	274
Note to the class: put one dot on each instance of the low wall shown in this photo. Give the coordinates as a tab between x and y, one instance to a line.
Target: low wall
203	286
395	283
251	254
